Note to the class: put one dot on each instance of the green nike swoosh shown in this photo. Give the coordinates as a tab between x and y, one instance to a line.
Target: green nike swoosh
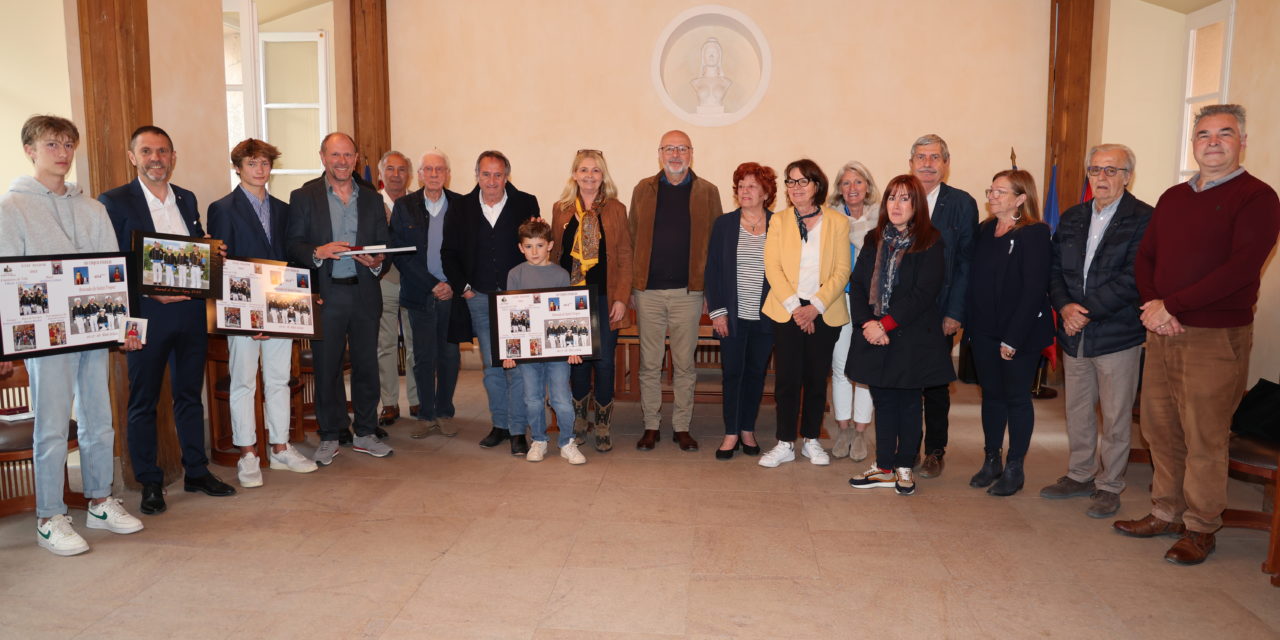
100	517
43	534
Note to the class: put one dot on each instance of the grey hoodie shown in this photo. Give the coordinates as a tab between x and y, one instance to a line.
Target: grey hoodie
35	221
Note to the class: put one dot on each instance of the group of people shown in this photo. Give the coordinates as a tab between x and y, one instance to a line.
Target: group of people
176	267
32	300
846	283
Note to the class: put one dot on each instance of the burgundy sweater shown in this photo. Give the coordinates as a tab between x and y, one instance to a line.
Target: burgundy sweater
1203	252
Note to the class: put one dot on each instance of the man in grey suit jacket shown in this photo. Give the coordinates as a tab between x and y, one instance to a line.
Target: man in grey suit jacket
326	217
955	214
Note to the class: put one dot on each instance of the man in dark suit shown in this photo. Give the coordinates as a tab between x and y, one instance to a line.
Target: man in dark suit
955	214
326	217
176	333
478	250
251	223
1092	285
418	220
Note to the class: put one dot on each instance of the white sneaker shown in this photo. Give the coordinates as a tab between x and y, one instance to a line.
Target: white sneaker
570	452
812	449
291	460
249	471
905	485
782	452
57	536
110	515
537	451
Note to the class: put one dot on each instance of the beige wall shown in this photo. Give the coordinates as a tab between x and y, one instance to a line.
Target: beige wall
851	80
1142	89
188	92
36	76
1255	84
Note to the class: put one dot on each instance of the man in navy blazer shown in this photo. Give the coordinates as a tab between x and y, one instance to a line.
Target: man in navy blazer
176	333
479	249
955	214
1093	287
250	222
418	220
326	216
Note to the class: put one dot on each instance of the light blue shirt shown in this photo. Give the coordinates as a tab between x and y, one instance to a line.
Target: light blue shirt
1098	222
1195	180
262	208
435	233
345	219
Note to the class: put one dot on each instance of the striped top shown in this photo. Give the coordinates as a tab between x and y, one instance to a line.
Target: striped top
750	273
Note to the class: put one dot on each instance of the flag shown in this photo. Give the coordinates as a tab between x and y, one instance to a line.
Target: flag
1051	200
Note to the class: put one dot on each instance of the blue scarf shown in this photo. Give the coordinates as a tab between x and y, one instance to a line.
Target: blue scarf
889	251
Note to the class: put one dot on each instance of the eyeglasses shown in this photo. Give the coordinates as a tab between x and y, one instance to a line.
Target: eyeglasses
1110	171
798	182
671	148
595	151
997	193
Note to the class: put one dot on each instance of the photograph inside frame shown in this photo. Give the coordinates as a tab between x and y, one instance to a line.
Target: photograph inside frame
264	296
177	265
544	324
59	303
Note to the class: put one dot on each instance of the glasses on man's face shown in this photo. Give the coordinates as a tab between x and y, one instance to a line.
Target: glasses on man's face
996	194
797	182
673	148
1110	171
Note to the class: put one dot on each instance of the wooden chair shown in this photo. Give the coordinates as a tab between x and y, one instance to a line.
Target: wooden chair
222	449
17	455
1259	459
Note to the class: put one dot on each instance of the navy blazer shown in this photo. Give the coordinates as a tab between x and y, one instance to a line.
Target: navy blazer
955	216
1021	317
720	275
464	244
309	226
127	207
1112	294
233	221
410	225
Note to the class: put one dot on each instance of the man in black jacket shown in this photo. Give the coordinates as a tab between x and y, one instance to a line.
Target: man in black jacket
1092	286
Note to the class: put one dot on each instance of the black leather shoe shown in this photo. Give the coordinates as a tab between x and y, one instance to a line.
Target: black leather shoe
992	469
495	438
727	454
345	437
152	498
209	485
519	445
750	449
1010	481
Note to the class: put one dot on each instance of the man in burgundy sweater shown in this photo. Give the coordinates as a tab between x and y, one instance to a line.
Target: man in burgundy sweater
1198	271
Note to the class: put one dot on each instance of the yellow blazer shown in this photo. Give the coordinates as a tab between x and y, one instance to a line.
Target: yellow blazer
782	265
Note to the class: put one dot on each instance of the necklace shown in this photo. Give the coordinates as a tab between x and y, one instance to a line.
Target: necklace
752	226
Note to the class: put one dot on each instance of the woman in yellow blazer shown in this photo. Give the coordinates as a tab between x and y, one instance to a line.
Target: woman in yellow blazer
806	261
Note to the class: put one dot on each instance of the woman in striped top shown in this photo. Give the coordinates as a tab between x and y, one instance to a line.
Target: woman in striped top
735	290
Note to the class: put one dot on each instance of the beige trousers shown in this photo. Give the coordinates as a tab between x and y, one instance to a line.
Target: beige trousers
1109	381
660	314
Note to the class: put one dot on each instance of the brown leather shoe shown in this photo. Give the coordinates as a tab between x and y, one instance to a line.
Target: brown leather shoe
1149	527
932	465
388	415
686	441
1192	548
413	410
648	440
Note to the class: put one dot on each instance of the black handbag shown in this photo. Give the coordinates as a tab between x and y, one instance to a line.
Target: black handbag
1258	415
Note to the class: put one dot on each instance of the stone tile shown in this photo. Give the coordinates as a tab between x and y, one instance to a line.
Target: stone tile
409	630
466	591
42	616
756	607
750	509
625	545
628	504
860	510
547	500
505	542
653	474
619	600
177	620
745	551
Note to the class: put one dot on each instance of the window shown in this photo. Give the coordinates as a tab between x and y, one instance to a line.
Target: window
1208	70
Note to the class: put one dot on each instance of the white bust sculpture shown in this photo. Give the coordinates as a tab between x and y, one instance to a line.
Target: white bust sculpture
711	83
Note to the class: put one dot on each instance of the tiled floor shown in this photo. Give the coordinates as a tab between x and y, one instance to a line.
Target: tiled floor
446	540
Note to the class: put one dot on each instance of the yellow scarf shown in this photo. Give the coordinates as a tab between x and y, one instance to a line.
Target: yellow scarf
586	242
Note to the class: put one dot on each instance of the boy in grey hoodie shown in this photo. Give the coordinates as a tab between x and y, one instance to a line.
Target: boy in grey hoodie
45	215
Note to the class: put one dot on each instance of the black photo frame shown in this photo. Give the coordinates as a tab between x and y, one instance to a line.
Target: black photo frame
520	321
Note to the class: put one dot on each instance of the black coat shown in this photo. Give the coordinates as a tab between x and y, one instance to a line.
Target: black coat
478	255
309	227
1112	294
1020	316
917	355
720	276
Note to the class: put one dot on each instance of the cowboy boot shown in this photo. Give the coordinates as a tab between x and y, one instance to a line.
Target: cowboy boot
580	420
603	416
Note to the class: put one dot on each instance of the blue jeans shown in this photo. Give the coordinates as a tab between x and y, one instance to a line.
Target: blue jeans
744	356
580	374
436	365
55	380
543	379
503	386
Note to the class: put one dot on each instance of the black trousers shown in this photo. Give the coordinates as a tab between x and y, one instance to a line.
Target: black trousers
897	426
349	316
177	337
802	365
937	410
744	359
1006	395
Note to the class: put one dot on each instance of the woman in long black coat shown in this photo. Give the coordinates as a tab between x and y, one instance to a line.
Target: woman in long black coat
898	348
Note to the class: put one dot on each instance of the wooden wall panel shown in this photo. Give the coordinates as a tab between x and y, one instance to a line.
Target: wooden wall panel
370	84
1067	130
115	61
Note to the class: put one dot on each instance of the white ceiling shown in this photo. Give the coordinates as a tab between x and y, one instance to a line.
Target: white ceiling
1182	6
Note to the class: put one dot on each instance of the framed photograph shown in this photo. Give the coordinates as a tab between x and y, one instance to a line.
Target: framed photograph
133	328
62	303
169	265
265	297
544	325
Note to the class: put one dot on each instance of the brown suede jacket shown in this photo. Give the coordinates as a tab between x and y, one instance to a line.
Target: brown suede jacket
617	249
704	208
